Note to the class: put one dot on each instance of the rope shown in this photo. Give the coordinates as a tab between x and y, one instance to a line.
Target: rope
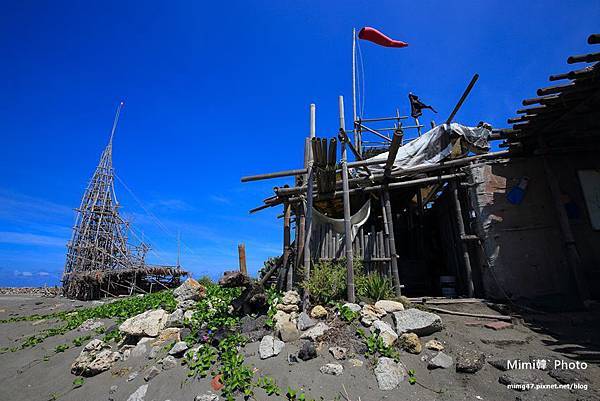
153	216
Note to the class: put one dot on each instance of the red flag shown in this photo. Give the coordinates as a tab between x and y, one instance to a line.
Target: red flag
373	35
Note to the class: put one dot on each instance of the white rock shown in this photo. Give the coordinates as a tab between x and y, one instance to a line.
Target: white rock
370	313
207	397
417	321
139	394
389	373
352	307
270	346
441	360
332	369
90	324
179	348
149	323
168	362
96	357
190	290
188	314
389	306
175	319
317	331
290	298
387	334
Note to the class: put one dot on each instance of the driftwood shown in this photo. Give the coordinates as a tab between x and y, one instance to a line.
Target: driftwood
479	315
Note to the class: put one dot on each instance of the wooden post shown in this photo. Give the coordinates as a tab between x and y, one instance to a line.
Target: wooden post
347	226
309	201
392	241
242	257
573	259
460	224
286	243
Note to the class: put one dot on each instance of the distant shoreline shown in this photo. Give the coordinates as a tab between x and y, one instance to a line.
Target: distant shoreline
48	291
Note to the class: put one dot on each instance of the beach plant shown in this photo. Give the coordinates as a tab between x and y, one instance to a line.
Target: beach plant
212	312
199	362
120	310
376	345
269	385
78	341
235	375
347	314
375	287
61	348
412	378
78	382
273	297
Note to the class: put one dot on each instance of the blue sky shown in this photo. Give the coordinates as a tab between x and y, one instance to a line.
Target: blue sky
214	91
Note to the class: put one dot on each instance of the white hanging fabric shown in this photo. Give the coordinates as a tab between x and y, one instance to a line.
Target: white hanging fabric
337	225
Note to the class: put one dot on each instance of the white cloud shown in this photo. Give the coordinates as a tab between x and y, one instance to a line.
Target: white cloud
9	237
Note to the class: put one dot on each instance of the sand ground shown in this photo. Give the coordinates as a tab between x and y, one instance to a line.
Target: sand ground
569	337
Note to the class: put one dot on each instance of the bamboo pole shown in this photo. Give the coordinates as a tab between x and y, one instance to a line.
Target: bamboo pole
393	151
392	241
346	196
460	224
242	259
462	98
309	202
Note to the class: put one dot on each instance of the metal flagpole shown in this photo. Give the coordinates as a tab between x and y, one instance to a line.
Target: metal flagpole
355	134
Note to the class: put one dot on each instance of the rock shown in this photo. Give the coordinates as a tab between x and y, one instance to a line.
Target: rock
190	290
292	359
287	331
90	324
370	313
417	321
154	352
139	350
334	369
232	279
184	333
440	360
387	334
434	345
352	307
357	363
179	348
500	364
281	316
175	319
254	328
389	306
151	373
307	351
186	305
338	353
315	332
113	389
305	322
290	298
96	357
515	383
410	343
469	361
566	376
270	346
389	373
207	397
287	308
499	325
139	394
318	312
148	324
168	362
132	376
188	314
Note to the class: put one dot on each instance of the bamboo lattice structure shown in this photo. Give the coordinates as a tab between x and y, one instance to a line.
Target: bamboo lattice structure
100	261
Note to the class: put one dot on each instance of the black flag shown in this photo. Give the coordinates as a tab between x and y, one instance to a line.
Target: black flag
416	106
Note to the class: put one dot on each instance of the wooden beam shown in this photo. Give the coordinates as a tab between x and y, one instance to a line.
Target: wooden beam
287	213
462	98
